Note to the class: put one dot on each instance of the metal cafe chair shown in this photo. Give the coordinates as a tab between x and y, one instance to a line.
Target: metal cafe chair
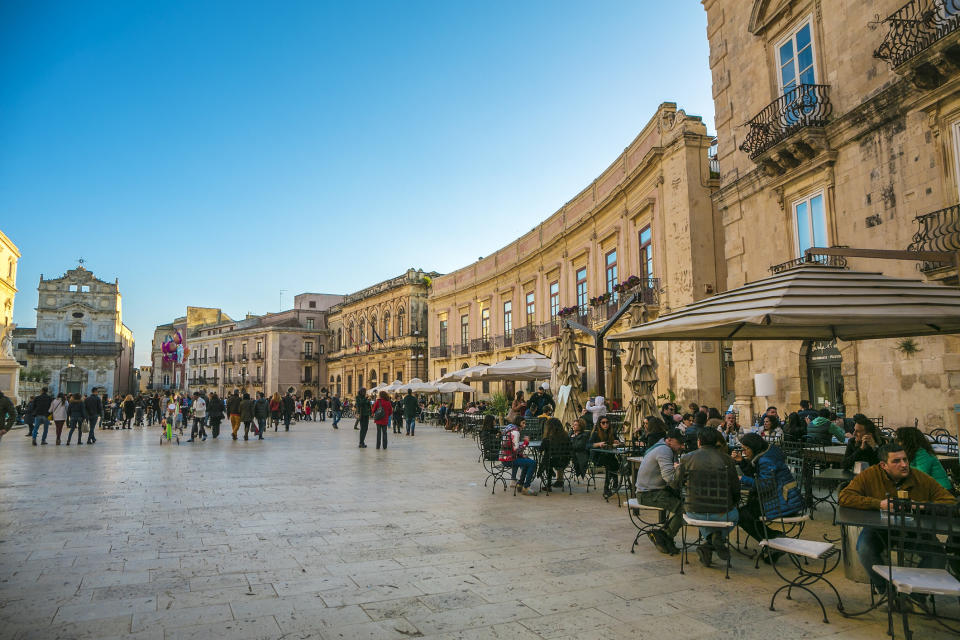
812	560
912	531
490	444
645	518
713	489
560	452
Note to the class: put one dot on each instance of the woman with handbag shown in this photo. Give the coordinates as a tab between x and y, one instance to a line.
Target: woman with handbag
382	410
58	408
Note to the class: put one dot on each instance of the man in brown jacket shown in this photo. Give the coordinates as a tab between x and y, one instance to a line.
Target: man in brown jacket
870	490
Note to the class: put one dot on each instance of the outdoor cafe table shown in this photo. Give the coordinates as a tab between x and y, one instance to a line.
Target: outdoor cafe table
834	453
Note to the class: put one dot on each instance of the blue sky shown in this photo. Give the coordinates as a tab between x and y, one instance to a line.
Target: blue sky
213	153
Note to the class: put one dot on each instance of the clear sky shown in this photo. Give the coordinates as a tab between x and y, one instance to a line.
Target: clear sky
213	153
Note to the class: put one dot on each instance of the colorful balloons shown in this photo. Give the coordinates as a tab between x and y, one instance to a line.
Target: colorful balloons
173	348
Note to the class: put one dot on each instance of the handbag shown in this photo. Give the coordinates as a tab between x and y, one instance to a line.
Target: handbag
380	413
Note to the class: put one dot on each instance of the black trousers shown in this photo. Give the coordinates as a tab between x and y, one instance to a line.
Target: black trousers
364	425
215	425
382	434
198	428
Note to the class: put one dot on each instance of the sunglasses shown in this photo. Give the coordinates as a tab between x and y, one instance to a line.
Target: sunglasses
604	422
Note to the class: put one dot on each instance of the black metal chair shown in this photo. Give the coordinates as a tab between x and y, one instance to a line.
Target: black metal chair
533	429
811	559
912	531
552	455
712	489
490	444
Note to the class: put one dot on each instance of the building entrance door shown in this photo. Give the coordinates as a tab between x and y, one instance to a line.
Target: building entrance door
824	380
71	380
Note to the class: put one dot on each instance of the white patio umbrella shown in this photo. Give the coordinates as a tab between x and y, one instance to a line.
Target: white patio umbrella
813	302
393	387
526	366
454	387
458	374
416	385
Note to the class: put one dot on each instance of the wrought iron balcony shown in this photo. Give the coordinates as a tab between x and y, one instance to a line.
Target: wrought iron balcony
525	334
214	359
549	330
503	342
309	381
811	258
462	349
480	345
44	348
442	351
937	231
258	356
228	358
916	27
806	107
309	355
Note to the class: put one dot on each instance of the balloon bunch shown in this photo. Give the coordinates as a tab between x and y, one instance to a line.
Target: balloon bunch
173	349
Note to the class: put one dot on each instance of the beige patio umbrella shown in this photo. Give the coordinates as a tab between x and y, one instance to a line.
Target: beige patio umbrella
457	375
812	302
525	367
641	373
567	373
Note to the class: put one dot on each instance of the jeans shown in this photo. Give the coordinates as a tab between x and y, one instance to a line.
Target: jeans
36	427
527	468
872	549
336	417
730	516
382	434
198	428
286	420
669	501
411	425
93	425
76	422
364	425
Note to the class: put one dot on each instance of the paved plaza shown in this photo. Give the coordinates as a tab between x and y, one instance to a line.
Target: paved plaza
305	536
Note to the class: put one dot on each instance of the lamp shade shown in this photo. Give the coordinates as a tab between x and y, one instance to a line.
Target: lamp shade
764	384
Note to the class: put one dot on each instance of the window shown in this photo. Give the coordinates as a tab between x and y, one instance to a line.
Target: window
810	221
508	317
373	328
485	323
85	288
363	338
339	338
259	347
308	374
611	262
464	329
349	384
309	323
243	350
76	336
308	349
359	380
386	325
230	350
531	308
385	377
795	59
554	300
312	304
259	373
582	289
956	155
350	332
400	318
646	253
73	288
485	386
443	332
320	348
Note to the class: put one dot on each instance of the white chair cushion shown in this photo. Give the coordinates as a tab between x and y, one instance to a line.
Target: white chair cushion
635	504
713	524
799	547
786	520
915	580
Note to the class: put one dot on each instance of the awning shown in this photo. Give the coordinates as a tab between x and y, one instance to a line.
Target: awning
813	302
526	366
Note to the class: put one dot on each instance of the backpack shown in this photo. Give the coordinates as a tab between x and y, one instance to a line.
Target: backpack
380	413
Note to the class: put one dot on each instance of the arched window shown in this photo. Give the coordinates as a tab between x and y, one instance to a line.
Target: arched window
351	335
386	325
400	319
363	333
339	339
373	328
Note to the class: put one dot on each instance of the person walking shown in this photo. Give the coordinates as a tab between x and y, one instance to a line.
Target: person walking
411	408
336	409
233	411
94	406
261	411
382	411
76	414
362	410
289	407
276	403
322	405
41	409
199	417
246	415
58	408
129	409
215	408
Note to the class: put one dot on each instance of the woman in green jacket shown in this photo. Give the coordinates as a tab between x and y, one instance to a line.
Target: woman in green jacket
921	455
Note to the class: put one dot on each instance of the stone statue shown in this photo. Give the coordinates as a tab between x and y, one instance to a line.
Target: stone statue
6	341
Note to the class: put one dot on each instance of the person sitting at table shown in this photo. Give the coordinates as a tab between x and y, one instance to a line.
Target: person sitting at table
694	429
708	458
795	428
653	430
864	444
654	477
512	449
921	455
869	490
730	425
820	430
555	450
580	443
764	462
604	437
770	427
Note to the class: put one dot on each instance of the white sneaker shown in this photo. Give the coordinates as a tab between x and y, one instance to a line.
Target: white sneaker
529	492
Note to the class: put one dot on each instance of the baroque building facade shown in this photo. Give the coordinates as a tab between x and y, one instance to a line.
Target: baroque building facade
9	368
649	215
80	342
378	334
835	128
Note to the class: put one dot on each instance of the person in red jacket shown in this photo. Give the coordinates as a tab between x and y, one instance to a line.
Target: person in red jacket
382	404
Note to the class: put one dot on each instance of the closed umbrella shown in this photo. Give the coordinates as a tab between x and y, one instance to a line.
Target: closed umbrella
567	373
641	371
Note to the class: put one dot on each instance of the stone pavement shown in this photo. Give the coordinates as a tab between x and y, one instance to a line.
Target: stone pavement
305	536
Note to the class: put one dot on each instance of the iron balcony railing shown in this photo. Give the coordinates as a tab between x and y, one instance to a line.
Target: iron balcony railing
503	342
525	334
915	27
442	351
462	349
479	345
549	329
937	231
228	358
307	355
214	359
805	105
44	348
258	356
811	258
